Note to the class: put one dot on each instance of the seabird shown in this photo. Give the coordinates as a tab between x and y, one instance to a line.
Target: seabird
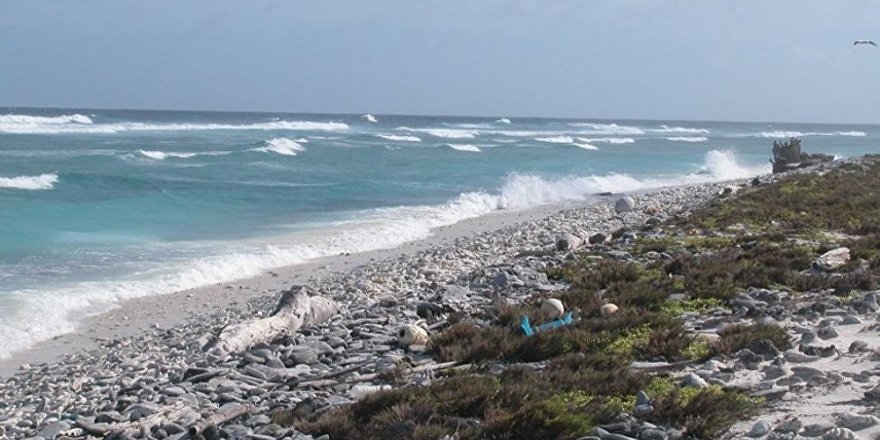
857	42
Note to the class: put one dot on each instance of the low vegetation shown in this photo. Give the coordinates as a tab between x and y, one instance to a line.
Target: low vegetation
563	383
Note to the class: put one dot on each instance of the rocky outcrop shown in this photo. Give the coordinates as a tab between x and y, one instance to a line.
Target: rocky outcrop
787	156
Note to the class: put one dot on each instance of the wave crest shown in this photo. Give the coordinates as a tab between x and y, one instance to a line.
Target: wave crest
464	147
30	183
399	138
77	124
280	145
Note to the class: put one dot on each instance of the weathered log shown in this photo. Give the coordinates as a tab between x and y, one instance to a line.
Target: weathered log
215	420
294	311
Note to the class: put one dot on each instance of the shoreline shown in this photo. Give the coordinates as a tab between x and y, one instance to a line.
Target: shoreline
135	316
119	367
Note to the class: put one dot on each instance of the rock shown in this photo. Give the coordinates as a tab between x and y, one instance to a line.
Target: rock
608	309
412	335
759	429
787	155
792	425
797	357
652	209
765	348
52	430
624	205
850	320
303	354
807	372
694	381
619	255
360	391
816	429
728	190
832	259
839	434
858	422
827	332
597	238
552	308
653	434
568	242
858	346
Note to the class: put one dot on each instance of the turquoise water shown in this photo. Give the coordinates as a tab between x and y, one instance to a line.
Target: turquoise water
97	206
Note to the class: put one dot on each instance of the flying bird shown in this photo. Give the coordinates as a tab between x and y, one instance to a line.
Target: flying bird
858	42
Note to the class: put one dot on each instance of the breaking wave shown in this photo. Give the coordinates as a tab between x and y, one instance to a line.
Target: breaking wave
556	139
443	132
72	124
283	146
609	140
399	138
31	183
464	147
668	129
694	139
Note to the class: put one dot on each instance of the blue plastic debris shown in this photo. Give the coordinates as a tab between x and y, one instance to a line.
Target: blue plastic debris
529	330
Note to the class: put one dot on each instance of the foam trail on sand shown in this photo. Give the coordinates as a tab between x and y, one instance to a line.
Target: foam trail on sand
464	147
31	183
399	138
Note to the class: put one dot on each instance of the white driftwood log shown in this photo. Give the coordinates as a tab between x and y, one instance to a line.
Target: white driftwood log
294	311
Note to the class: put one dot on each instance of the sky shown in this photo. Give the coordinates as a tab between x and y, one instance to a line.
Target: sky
744	60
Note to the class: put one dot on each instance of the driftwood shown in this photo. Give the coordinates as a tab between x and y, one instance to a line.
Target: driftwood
139	427
787	155
219	418
294	311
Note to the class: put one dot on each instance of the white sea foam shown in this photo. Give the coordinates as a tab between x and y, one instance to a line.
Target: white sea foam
503	121
32	183
585	146
609	140
44	120
283	146
59	307
782	134
162	155
71	124
464	147
779	134
607	129
687	130
449	133
694	139
556	139
369	118
399	138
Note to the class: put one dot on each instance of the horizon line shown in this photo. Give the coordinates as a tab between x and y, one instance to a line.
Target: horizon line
564	118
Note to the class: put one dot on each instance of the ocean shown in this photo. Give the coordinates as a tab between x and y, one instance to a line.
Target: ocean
97	206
